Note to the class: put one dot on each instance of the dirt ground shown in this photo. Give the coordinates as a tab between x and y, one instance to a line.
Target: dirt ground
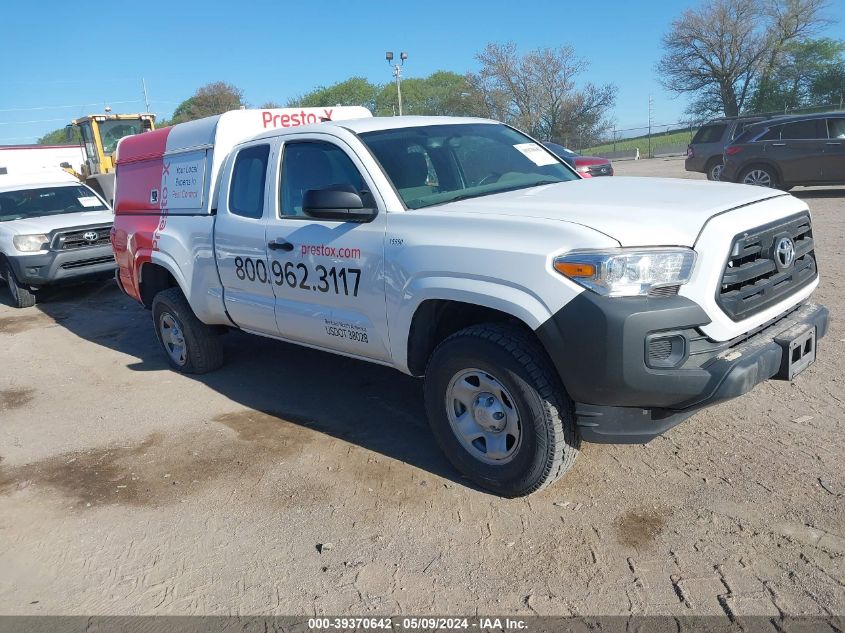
295	482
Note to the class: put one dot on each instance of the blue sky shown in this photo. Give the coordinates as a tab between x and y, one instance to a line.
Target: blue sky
54	54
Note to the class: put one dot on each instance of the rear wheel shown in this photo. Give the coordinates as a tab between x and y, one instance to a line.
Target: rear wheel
759	175
191	346
498	410
22	296
714	170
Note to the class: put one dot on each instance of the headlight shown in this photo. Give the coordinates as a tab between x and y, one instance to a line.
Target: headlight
626	272
30	243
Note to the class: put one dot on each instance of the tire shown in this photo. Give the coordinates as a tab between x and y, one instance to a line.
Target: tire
22	296
760	175
714	170
500	369
191	346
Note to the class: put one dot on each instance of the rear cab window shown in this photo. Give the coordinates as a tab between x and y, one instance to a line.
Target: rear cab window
246	192
711	133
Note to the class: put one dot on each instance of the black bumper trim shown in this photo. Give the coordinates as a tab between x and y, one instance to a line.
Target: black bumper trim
734	372
599	347
58	266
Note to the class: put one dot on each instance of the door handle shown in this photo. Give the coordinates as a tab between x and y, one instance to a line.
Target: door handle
280	245
778	144
833	143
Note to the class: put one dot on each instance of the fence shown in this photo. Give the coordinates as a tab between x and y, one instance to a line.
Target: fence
668	139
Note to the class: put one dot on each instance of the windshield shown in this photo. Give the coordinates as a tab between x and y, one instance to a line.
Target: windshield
709	133
561	151
437	164
112	131
36	203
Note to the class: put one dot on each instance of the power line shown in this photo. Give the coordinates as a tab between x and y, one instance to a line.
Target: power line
27	122
76	105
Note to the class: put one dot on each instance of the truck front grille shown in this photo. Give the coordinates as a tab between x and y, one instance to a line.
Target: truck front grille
82	238
756	277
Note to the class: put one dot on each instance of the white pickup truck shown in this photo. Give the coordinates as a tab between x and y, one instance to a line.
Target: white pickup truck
53	229
541	308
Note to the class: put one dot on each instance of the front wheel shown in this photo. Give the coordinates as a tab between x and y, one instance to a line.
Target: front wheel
22	296
498	410
191	346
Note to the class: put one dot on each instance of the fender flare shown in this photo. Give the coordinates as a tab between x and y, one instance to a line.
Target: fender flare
521	303
164	260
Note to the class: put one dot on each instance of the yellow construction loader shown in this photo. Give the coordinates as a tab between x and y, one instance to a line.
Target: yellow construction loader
100	134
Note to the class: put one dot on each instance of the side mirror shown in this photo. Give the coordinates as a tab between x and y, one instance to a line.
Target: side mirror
337	202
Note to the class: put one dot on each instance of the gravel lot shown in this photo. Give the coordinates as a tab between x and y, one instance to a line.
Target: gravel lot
296	482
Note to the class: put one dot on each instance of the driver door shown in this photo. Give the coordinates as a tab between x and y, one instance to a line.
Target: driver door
328	275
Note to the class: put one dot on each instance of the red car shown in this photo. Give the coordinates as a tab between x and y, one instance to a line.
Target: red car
584	165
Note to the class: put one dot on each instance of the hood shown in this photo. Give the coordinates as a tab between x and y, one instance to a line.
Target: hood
49	223
633	211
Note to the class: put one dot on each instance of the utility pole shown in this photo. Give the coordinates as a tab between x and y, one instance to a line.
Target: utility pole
650	106
146	99
397	73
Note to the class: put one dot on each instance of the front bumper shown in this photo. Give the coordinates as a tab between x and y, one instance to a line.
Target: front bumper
600	348
58	266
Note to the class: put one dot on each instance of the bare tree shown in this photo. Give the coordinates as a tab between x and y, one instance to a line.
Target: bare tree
718	51
537	91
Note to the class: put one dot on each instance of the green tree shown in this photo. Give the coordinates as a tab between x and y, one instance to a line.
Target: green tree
60	137
442	93
810	72
208	100
355	91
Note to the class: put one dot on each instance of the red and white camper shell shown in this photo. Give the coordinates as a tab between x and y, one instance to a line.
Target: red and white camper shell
173	173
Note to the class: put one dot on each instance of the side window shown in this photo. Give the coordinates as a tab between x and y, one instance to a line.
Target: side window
836	128
772	135
315	165
246	192
740	127
803	130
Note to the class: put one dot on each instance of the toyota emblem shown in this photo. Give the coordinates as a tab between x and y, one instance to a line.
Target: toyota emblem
785	253
90	236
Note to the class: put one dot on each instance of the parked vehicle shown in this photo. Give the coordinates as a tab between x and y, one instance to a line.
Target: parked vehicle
52	229
704	152
541	309
100	134
584	165
789	151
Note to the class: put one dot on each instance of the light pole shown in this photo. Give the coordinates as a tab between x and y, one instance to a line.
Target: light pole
397	72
